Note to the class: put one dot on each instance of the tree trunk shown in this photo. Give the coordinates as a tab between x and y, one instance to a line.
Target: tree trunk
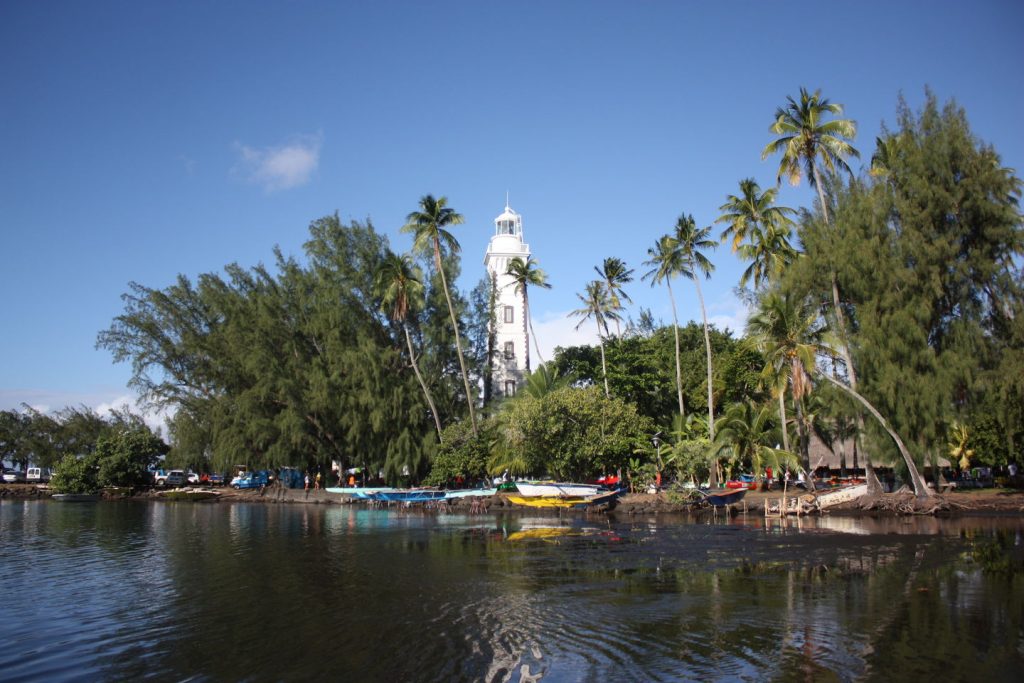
707	345
526	327
920	489
458	344
782	416
679	372
423	385
604	369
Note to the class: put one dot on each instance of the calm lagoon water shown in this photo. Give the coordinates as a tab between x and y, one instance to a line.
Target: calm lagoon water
242	592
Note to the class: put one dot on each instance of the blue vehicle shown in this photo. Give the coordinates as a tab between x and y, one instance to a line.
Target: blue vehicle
251	480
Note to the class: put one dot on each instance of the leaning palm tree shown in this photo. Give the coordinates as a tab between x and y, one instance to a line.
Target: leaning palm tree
667	262
400	290
429	235
595	305
525	274
614	273
750	210
808	144
691	240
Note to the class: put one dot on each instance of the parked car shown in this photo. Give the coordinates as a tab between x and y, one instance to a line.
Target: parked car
193	478
159	477
14	477
38	475
176	478
251	480
213	479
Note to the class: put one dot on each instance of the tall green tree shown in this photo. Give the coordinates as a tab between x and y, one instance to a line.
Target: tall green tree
400	290
759	232
666	262
526	274
614	274
691	240
595	305
429	234
747	433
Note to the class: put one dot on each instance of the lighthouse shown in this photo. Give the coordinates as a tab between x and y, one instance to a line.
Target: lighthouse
510	324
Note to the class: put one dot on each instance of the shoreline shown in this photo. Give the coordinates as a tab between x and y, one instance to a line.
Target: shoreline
988	502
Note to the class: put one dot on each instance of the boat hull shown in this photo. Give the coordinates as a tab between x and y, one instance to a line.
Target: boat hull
722	499
578	502
75	497
546	489
413	496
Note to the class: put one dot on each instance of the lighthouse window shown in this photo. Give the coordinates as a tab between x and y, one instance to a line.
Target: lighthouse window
509	316
510	350
510	387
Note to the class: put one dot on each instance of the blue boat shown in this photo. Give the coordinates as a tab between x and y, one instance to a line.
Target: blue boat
721	499
409	495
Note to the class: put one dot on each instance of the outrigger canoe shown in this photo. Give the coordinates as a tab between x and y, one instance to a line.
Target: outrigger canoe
579	502
360	493
469	493
550	488
409	495
721	499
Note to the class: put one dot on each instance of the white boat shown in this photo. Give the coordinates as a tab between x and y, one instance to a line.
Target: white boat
556	489
364	493
843	495
469	493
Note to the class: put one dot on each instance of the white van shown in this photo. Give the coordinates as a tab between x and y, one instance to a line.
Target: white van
37	475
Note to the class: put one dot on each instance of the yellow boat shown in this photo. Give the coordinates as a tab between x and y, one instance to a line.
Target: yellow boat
564	501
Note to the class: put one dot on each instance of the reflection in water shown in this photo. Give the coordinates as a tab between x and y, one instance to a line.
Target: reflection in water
121	591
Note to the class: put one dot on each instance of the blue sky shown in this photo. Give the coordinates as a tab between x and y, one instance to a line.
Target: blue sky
143	140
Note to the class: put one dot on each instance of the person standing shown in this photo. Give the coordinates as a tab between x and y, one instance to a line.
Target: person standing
316	482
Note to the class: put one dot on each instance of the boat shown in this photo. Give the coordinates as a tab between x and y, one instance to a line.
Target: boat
359	493
841	495
469	493
721	499
556	489
408	495
76	497
578	502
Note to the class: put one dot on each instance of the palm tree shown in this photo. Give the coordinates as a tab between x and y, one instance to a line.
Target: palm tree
429	234
786	330
747	432
614	273
750	210
595	305
769	252
885	153
808	141
667	262
400	289
524	274
691	240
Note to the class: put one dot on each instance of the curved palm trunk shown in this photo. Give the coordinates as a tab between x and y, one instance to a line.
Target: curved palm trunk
920	489
458	344
533	334
707	345
675	331
423	385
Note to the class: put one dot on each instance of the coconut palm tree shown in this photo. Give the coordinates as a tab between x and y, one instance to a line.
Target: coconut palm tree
808	144
614	273
691	240
400	289
667	262
885	154
747	433
769	252
750	210
595	305
525	274
429	235
786	329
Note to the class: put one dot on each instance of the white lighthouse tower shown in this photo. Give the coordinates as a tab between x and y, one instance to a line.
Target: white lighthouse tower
510	307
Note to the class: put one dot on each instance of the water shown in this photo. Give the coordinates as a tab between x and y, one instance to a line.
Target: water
236	592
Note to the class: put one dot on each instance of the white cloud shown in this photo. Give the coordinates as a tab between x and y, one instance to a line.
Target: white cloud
279	168
102	403
556	329
729	313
